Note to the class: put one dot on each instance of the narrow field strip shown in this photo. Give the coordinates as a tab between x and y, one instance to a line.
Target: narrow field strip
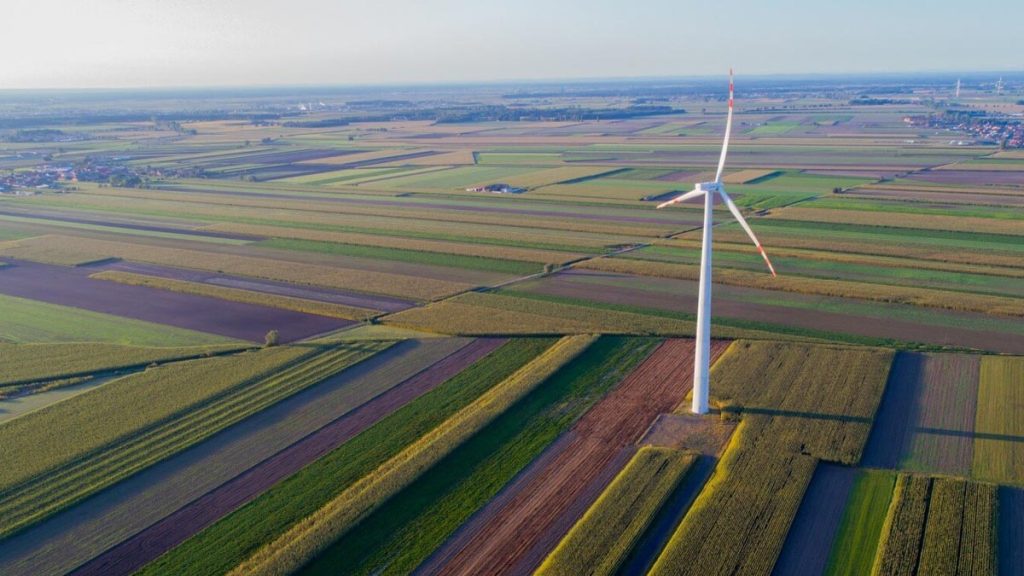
311	536
237	295
817	522
600	542
999	429
853	550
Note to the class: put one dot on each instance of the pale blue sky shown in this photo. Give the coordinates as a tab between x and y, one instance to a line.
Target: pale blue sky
118	43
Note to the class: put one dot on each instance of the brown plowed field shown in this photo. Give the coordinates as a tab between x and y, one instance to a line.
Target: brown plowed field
516	532
137	551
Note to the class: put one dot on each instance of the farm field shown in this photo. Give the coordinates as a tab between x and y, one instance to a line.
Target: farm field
443	329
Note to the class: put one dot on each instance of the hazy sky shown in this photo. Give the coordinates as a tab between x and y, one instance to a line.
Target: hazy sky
116	43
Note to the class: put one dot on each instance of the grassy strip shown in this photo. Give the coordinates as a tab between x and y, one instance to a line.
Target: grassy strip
314	534
403	532
27	321
959	536
904	527
853	551
739	522
601	540
69	468
238	295
223	545
35	363
404	255
901	220
930	297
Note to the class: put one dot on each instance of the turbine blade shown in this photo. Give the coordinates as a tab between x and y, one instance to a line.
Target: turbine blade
728	129
743	222
695	193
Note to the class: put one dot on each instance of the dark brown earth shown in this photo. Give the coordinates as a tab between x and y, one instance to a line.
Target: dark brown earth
516	531
73	287
147	545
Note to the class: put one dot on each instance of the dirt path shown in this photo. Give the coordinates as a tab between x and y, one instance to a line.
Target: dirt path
514	533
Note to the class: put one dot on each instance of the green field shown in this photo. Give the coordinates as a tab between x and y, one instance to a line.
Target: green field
32	321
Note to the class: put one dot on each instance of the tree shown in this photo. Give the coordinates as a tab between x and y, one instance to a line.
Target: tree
549	268
270	339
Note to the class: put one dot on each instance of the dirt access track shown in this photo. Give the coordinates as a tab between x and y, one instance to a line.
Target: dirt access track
515	532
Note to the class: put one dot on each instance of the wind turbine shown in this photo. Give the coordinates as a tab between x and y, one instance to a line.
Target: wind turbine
957	95
702	361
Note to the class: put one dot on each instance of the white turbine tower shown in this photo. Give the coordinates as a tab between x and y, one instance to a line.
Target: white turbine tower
702	362
957	95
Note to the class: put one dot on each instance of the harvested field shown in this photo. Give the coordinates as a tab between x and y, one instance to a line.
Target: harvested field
376	388
1011	531
926	422
817	522
999	428
749	176
938	196
73	287
902	220
516	531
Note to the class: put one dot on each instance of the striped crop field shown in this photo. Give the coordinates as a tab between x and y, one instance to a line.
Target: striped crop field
601	540
853	550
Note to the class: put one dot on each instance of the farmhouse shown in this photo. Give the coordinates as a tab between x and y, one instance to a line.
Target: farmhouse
498	188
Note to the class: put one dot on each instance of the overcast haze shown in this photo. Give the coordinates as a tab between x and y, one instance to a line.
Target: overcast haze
122	43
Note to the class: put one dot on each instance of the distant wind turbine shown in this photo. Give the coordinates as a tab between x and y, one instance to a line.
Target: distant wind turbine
957	95
702	361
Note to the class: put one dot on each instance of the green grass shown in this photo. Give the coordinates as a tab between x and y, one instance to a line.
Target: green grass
225	544
853	552
773	128
881	234
409	527
31	321
411	256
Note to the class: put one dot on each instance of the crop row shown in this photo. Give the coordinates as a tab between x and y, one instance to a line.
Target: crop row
256	267
957	301
314	534
409	527
398	242
904	527
228	542
866	244
603	538
404	255
32	363
237	295
959	537
172	427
